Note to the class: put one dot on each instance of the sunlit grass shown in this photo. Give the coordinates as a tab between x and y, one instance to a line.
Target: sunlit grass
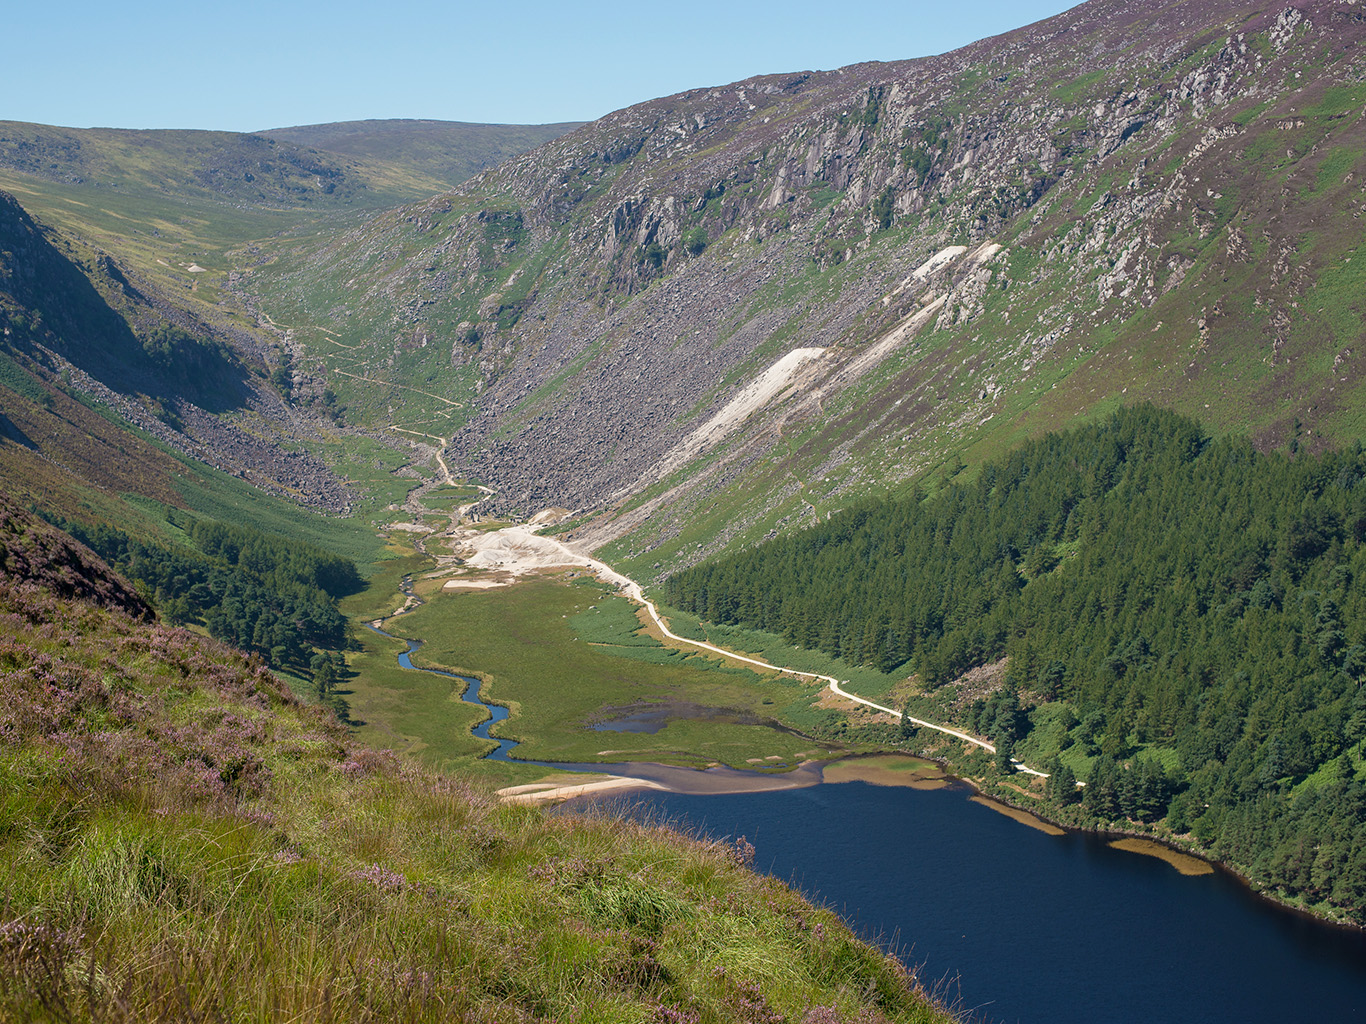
522	640
183	840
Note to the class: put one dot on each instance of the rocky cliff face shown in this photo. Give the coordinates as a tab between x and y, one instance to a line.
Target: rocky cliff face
1131	200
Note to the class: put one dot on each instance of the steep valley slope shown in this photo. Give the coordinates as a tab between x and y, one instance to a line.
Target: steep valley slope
1129	201
128	363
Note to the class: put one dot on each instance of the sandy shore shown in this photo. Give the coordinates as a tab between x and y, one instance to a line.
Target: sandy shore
712	781
1183	862
893	770
1023	817
541	794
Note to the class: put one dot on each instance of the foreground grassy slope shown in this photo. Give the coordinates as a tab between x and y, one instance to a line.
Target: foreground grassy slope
181	839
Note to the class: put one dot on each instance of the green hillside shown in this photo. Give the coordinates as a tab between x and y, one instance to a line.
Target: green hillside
179	205
446	151
229	166
61	294
183	840
176	205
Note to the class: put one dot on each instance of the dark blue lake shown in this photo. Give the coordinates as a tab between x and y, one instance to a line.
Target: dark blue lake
1018	926
1012	925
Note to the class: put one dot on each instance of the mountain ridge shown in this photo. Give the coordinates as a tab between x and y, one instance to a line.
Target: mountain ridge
446	151
590	301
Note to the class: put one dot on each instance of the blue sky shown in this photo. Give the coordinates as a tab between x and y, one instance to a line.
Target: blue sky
250	65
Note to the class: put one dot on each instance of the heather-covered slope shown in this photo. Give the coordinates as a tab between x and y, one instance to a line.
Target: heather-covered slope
181	839
40	556
1131	200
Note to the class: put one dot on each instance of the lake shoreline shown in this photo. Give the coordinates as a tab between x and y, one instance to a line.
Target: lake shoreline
876	774
620	784
1187	848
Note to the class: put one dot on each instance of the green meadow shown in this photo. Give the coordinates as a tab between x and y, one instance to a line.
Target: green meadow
562	654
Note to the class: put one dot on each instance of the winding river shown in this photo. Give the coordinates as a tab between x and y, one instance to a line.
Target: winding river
470	695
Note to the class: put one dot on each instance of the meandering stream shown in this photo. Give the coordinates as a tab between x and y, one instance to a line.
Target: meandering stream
470	695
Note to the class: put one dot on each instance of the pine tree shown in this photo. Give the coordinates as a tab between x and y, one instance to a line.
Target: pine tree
1062	783
1005	752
